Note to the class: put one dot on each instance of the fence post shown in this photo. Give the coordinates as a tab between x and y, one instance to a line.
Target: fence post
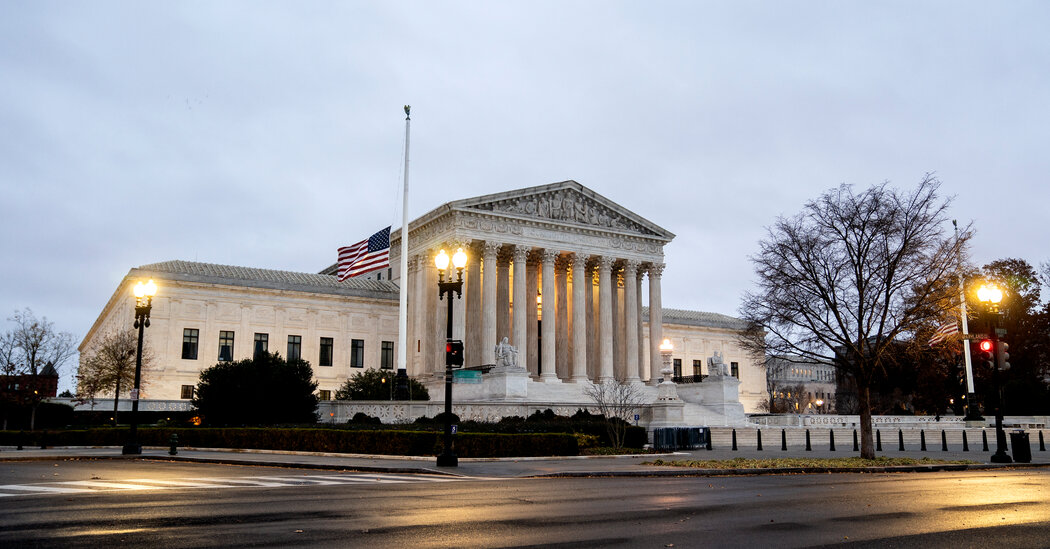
1042	447
808	447
944	441
856	443
783	440
984	439
734	440
878	440
900	440
759	433
922	440
966	445
831	433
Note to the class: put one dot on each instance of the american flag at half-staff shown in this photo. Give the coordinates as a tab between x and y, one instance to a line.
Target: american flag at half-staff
944	331
366	256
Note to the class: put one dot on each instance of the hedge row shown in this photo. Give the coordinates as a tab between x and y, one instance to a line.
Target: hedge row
403	443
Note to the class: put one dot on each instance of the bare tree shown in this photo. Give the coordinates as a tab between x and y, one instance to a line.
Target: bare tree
27	351
616	400
109	366
850	274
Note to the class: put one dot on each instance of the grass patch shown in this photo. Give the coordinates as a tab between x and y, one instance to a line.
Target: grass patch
745	463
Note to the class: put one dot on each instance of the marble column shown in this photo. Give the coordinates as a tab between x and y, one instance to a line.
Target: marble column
472	296
550	315
532	335
592	321
605	313
417	268
489	272
433	343
630	315
643	366
503	296
619	333
561	290
656	322
581	285
521	305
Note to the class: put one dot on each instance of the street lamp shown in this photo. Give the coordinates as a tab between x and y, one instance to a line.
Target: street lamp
143	303
453	348
820	405
990	296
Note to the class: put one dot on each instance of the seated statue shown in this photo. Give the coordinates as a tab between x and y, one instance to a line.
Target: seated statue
506	354
716	366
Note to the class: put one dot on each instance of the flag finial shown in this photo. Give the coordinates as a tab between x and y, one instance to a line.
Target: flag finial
408	108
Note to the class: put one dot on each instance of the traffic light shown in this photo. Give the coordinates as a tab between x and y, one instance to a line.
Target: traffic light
454	352
1003	356
987	352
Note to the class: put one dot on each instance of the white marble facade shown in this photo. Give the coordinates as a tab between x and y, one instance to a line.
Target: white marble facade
569	277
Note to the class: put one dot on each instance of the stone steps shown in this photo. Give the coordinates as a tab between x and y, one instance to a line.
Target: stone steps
820	438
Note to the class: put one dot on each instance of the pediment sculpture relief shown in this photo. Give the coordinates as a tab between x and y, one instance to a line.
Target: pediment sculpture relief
565	206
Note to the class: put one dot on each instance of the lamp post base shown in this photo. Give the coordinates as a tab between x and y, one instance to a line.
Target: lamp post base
401	385
447	460
1001	457
132	449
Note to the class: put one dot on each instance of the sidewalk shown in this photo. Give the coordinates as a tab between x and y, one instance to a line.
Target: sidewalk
505	467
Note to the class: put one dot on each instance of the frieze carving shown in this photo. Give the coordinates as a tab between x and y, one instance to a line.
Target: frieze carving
565	205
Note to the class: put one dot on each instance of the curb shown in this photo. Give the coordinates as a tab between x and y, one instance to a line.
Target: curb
686	472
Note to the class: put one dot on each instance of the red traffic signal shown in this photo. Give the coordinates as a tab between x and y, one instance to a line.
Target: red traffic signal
985	345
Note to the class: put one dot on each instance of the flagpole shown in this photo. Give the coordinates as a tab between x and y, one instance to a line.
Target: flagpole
971	400
401	385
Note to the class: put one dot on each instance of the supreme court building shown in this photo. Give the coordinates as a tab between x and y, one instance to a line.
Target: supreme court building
568	277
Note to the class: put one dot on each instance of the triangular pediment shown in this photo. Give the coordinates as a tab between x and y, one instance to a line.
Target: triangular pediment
567	202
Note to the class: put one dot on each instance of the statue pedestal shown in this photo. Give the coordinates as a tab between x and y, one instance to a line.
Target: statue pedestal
721	395
505	382
667	413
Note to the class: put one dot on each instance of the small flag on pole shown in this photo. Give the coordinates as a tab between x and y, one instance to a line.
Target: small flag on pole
944	331
365	256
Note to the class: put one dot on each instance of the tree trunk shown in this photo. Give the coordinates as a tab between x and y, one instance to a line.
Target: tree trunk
116	401
867	443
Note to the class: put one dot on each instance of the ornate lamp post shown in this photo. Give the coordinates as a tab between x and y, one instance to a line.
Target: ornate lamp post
143	303
990	296
666	390
453	349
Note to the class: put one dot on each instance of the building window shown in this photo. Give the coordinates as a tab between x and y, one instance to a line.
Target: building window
326	353
696	367
734	369
357	353
386	358
187	391
262	344
324	395
225	346
189	343
295	347
677	367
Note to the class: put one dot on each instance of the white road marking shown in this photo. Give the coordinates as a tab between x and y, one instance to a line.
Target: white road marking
99	485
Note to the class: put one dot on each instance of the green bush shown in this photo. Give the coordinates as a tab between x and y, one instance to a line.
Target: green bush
264	390
378	385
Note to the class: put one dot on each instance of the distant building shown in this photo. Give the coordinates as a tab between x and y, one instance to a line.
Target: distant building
798	386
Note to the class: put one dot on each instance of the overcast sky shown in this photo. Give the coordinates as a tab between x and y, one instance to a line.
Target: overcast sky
267	134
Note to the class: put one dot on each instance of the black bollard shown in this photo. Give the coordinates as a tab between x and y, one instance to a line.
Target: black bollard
966	445
783	440
856	443
709	438
900	440
174	441
944	441
759	433
734	440
808	447
984	439
878	440
43	440
1042	447
21	438
922	440
831	445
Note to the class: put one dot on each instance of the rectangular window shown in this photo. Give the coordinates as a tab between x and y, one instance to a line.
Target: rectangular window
677	367
326	353
357	353
189	343
734	369
386	359
324	395
295	347
262	344
225	346
696	367
187	391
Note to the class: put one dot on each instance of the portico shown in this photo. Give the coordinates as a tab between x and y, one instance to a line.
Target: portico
557	269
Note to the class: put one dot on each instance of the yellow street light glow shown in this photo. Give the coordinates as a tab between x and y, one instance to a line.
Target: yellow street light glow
441	260
666	346
989	294
140	289
459	259
151	288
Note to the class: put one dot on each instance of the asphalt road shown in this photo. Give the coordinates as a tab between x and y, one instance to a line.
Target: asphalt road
89	503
